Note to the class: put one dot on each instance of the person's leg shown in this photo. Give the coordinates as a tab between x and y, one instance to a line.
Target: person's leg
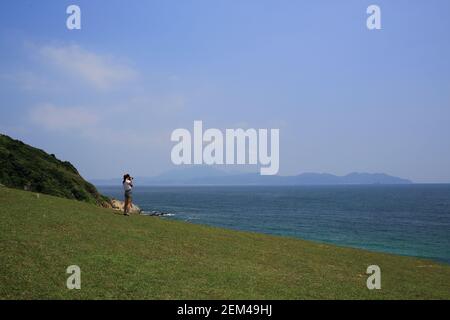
125	206
130	203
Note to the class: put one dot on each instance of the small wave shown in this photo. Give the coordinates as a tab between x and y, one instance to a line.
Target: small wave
157	213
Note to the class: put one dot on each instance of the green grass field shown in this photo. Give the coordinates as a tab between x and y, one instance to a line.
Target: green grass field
142	257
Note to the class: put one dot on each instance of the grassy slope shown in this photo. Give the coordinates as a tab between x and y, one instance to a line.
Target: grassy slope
143	257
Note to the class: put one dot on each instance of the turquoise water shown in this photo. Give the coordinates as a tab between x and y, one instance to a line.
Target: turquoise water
402	219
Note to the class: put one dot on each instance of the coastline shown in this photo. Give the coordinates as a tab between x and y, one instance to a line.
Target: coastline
315	241
392	219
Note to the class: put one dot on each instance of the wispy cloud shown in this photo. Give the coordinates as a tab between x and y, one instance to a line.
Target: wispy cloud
93	125
52	117
100	71
59	68
28	81
98	102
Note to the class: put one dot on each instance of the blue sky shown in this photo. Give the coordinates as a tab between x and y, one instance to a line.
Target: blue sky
108	96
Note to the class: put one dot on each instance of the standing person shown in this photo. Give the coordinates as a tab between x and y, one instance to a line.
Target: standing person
127	187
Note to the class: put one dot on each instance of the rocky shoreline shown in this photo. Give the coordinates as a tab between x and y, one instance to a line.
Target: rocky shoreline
118	206
156	213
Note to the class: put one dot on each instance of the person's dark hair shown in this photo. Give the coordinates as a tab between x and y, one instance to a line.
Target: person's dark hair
125	177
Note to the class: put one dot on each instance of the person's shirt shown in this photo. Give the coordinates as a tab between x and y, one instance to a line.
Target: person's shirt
127	185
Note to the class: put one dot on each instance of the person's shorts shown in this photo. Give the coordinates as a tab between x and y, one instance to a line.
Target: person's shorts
128	195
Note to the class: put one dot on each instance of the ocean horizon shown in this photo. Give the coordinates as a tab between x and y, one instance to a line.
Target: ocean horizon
411	220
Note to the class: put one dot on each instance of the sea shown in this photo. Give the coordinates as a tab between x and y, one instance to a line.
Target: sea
412	220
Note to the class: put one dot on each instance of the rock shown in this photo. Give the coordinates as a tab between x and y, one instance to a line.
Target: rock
118	205
155	213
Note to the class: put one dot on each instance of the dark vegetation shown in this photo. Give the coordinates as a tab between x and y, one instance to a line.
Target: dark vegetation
28	168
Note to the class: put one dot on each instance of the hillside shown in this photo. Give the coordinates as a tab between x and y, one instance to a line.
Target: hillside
25	167
141	257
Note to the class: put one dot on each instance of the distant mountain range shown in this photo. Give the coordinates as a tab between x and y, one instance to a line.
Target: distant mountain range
212	176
